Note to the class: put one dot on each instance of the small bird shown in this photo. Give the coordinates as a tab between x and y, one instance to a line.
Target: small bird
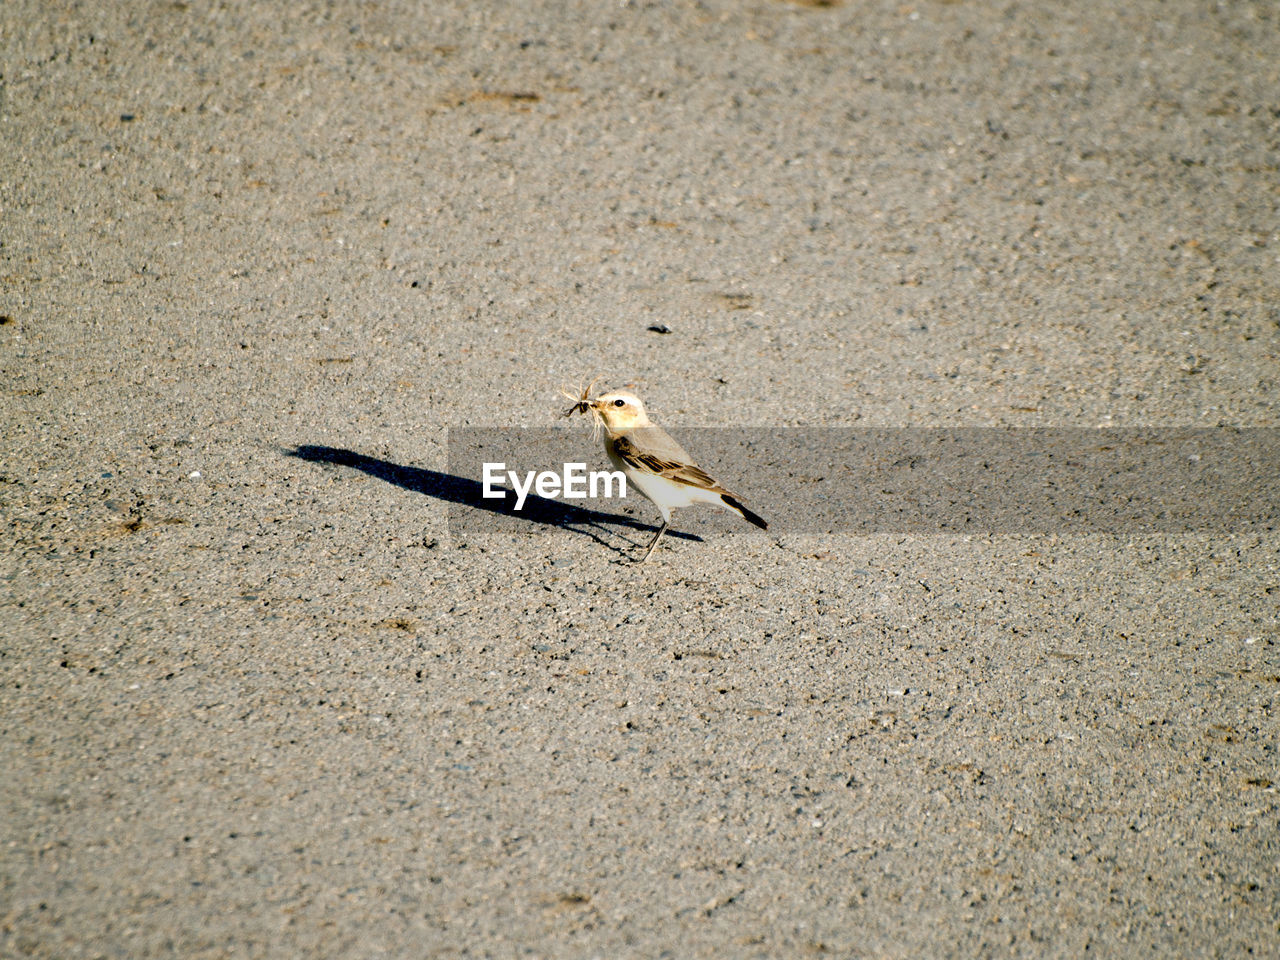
655	464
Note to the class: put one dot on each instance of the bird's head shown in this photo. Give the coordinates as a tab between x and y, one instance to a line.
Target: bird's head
620	411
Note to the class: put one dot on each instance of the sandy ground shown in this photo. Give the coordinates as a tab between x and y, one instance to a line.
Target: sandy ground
260	703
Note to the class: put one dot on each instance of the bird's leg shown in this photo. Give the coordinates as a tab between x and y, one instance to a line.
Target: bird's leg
661	531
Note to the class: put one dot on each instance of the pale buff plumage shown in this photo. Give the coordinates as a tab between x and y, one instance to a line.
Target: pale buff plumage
653	462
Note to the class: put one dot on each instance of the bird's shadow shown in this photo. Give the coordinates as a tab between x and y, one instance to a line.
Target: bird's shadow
466	492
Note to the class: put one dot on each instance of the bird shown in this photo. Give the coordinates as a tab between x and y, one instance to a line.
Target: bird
655	464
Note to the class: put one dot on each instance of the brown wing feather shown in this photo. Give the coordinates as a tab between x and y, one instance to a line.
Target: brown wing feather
687	473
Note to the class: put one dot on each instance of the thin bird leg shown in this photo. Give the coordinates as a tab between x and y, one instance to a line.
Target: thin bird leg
661	531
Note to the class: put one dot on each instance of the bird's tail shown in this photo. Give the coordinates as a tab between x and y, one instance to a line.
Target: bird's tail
733	503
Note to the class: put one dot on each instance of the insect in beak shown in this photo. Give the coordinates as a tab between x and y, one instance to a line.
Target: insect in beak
582	403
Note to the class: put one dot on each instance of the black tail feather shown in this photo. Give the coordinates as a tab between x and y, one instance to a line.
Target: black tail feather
747	514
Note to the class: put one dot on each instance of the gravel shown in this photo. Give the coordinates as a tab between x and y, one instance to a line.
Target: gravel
260	704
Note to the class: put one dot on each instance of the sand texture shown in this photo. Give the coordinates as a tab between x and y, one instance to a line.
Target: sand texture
259	699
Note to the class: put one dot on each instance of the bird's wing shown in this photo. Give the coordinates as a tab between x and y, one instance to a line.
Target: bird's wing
651	450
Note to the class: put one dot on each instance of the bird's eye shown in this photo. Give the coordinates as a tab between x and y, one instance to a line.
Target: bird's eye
619	403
